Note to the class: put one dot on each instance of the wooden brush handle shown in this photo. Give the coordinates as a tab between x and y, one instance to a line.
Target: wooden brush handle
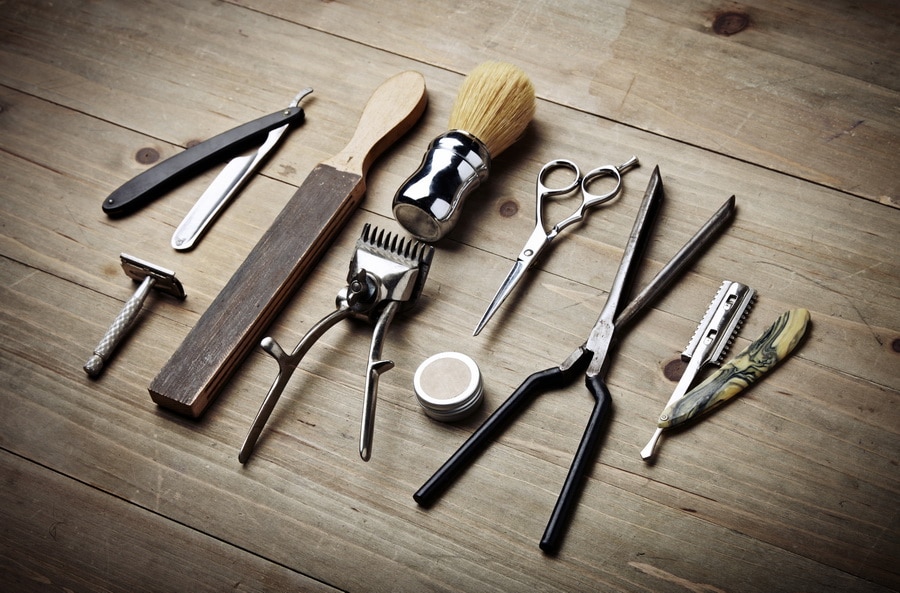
391	110
757	359
235	321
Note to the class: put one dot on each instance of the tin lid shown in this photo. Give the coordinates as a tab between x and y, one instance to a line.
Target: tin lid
448	386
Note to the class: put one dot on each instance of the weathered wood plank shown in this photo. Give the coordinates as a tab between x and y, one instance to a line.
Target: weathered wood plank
59	534
854	285
803	89
307	468
790	487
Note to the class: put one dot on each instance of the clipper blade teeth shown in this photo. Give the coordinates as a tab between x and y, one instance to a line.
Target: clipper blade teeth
393	262
394	246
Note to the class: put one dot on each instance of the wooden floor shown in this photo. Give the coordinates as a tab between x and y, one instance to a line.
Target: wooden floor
793	107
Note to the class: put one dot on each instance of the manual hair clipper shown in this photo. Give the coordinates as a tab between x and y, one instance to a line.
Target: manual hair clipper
710	342
386	276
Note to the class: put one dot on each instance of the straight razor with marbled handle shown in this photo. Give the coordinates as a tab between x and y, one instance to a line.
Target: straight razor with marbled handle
758	358
710	342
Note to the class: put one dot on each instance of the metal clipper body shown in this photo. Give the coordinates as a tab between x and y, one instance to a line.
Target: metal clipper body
429	202
392	270
386	276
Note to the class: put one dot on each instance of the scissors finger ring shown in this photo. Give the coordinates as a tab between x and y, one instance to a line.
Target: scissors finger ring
544	191
592	199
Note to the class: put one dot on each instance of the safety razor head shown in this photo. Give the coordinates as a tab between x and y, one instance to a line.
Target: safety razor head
395	267
164	280
720	324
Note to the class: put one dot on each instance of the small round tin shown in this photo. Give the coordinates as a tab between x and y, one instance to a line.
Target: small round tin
448	386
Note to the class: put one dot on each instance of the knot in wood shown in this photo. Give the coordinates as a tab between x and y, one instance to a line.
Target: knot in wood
730	23
147	156
509	208
674	369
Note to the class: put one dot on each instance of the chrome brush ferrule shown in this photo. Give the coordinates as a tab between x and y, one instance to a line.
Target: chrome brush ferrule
428	204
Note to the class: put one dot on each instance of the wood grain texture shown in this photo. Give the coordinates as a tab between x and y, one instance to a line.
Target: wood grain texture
796	89
106	544
794	489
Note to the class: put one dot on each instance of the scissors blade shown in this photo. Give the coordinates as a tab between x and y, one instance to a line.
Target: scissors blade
227	184
512	280
536	243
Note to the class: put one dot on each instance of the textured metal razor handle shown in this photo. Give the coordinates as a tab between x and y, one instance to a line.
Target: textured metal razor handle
119	328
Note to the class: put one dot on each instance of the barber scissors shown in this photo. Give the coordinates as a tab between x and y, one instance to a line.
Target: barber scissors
591	358
541	237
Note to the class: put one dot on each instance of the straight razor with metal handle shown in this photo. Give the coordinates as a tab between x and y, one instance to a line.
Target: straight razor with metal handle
157	180
773	346
235	321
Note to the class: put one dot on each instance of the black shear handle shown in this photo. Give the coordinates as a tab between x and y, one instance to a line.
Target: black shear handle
581	465
533	386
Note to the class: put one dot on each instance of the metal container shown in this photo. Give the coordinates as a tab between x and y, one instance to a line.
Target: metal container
448	386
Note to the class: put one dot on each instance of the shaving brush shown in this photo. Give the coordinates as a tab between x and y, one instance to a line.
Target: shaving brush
492	109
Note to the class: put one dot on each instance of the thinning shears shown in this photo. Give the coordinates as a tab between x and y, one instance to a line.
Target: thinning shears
591	358
541	237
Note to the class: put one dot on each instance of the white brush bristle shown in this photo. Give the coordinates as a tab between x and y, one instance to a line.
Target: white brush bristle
495	104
